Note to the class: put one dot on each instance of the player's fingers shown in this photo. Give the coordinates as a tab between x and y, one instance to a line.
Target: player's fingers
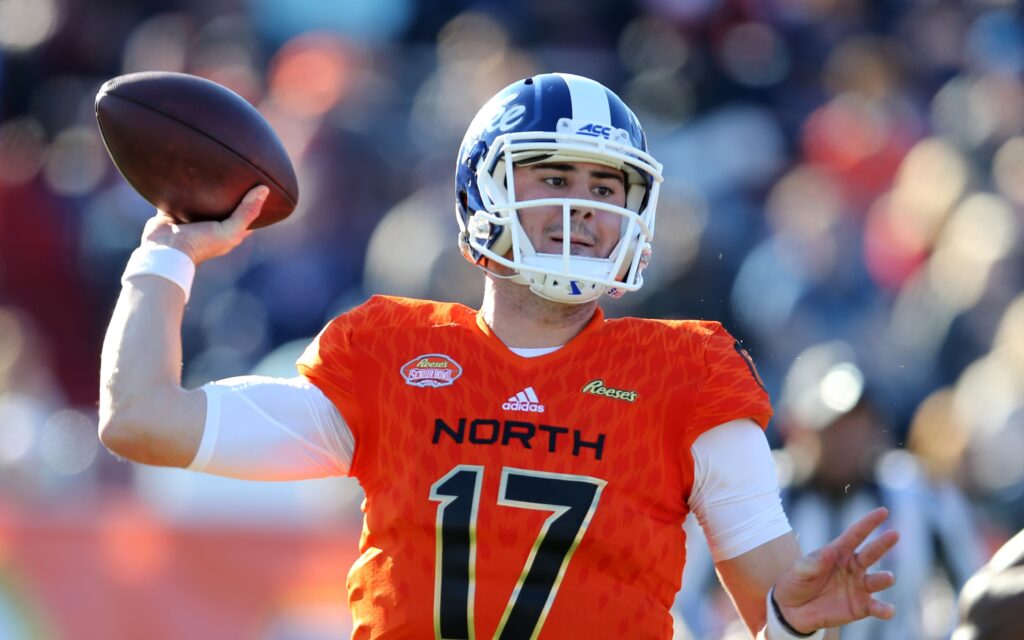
874	550
159	225
248	209
880	581
882	610
860	530
159	219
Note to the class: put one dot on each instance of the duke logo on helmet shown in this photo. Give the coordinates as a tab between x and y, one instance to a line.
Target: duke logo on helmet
555	118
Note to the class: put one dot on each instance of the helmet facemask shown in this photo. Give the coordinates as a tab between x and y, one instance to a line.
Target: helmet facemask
563	277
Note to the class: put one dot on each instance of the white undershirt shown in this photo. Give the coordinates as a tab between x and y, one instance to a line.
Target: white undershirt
261	428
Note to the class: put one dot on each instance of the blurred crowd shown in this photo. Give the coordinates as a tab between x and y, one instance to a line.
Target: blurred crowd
838	172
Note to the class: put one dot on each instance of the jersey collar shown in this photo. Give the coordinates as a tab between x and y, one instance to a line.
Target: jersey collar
595	324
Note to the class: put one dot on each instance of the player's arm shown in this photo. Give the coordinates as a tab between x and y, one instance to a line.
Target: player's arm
748	578
736	500
263	428
828	588
144	413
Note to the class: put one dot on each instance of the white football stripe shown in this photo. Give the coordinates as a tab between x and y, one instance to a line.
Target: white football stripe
531	394
521	397
589	100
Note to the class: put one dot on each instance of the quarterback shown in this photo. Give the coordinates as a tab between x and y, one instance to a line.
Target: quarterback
527	465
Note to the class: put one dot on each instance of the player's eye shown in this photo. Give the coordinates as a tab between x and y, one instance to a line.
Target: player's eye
605	191
556	181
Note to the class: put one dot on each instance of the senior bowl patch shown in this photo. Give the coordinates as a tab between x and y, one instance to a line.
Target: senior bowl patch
431	370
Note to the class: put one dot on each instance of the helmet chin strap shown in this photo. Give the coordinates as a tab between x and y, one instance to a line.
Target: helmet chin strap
558	294
512	274
564	288
549	287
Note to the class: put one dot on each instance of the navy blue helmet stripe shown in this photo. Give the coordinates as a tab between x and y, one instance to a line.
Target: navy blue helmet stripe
619	112
557	102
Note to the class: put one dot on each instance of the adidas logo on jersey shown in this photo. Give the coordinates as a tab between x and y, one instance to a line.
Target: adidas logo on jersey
525	400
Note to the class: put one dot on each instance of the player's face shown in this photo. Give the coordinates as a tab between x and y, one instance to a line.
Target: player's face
594	232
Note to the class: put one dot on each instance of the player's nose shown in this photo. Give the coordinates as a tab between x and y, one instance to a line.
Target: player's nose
581	208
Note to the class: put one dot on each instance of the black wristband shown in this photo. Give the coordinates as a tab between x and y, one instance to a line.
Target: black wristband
785	623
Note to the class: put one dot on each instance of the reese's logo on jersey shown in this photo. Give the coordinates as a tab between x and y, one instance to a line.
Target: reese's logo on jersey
431	370
598	388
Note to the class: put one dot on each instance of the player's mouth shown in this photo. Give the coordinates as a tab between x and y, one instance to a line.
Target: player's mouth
578	246
574	241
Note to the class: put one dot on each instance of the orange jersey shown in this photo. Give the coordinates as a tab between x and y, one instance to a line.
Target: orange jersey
523	497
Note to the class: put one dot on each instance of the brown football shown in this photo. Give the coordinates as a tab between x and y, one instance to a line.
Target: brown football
192	147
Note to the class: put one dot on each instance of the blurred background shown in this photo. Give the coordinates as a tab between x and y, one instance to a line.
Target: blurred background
844	191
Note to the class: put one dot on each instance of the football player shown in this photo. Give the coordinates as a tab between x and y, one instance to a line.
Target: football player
527	465
991	601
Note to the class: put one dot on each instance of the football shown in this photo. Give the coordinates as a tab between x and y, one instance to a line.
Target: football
192	147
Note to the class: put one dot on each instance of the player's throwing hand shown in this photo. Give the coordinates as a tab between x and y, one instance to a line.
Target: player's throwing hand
201	241
832	586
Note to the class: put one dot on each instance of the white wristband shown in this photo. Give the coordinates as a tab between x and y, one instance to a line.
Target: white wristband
165	262
776	629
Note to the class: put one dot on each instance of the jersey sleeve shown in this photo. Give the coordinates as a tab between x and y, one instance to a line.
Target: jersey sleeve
344	361
732	388
261	428
330	363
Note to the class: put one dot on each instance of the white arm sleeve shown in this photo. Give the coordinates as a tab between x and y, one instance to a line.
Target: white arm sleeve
735	492
261	428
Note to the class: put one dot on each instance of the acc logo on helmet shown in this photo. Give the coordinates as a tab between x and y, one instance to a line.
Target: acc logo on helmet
595	130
